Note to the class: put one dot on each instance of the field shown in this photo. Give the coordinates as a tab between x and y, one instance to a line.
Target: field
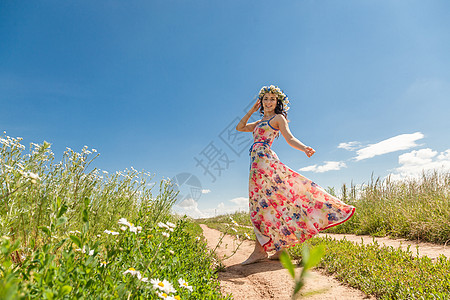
70	231
416	209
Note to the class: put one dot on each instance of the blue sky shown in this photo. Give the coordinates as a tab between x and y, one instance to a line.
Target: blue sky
158	84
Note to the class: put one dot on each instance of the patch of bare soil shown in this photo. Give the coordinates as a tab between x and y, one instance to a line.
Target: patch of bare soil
268	279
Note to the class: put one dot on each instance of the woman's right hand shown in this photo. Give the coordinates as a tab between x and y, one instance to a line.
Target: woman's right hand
256	106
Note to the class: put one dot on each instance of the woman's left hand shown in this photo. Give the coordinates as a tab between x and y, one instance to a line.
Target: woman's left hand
309	151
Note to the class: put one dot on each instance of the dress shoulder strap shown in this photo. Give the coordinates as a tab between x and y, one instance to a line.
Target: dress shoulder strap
268	122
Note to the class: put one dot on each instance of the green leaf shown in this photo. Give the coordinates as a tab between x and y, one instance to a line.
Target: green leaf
62	210
305	253
59	244
287	263
45	230
85	228
65	290
298	285
61	221
85	215
49	294
76	240
315	257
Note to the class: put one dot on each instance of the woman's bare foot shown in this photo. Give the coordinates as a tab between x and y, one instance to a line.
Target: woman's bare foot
255	257
276	256
258	254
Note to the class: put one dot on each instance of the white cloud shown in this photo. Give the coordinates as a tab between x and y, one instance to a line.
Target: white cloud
206	191
328	166
190	208
350	146
412	164
240	201
396	143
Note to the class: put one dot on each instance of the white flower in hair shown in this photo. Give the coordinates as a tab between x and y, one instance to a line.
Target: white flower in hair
277	91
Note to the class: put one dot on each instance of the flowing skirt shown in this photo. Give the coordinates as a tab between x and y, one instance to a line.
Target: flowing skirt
286	208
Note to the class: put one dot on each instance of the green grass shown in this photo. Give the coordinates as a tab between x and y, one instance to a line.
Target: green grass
417	209
384	272
53	243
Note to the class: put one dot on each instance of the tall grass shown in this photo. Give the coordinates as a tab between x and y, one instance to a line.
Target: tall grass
414	208
68	230
33	187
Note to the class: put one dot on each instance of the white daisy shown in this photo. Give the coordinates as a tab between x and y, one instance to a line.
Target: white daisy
164	286
171	224
123	221
133	272
162	225
184	284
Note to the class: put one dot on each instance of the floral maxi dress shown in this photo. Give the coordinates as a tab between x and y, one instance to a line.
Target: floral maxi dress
286	208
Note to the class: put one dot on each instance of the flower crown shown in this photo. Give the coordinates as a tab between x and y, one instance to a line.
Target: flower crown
277	91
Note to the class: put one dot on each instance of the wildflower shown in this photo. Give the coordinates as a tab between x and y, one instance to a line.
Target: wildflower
197	238
103	264
184	284
162	295
166	234
91	252
98	235
171	252
177	297
247	236
123	221
162	225
76	231
135	229
234	222
94	150
111	232
133	272
234	229
164	285
171	224
149	236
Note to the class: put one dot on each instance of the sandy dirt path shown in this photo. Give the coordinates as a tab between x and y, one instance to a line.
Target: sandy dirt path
268	279
425	249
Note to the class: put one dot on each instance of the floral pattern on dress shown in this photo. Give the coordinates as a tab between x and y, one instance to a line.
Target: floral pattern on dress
286	208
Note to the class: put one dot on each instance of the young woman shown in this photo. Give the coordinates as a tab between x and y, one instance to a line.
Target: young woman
286	208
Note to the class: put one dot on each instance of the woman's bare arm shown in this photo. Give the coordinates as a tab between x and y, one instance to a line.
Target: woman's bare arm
281	122
242	125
